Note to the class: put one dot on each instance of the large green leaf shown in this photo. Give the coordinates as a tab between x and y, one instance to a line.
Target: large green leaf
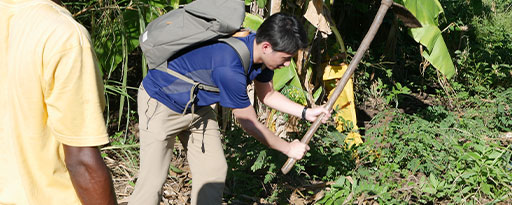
286	74
427	12
252	21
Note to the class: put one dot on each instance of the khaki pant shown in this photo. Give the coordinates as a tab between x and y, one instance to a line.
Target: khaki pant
199	134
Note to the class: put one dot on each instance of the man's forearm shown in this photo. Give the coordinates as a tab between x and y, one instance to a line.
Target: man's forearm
247	118
276	100
90	176
280	102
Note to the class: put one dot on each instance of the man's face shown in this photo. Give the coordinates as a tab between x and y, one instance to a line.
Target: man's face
276	59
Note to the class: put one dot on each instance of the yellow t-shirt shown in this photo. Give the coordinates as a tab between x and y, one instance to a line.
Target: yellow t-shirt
50	94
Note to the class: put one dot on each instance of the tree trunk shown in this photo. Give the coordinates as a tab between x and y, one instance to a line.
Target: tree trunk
275	6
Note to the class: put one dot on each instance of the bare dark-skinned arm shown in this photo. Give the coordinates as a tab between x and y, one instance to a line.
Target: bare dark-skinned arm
90	176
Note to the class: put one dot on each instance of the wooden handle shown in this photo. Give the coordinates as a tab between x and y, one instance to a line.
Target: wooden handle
368	38
288	165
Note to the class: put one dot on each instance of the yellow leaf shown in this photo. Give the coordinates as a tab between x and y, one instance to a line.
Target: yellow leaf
353	139
345	102
334	72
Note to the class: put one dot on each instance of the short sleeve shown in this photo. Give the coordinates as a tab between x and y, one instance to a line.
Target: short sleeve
232	86
266	75
74	96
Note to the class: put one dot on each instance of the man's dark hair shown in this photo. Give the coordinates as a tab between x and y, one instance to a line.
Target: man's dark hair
283	32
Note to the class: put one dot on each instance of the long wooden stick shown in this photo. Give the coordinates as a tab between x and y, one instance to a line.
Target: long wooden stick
377	21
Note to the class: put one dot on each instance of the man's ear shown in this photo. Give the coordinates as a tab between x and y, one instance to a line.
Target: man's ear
266	47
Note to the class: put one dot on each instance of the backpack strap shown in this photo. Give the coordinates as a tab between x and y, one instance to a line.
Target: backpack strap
237	44
241	49
195	86
188	80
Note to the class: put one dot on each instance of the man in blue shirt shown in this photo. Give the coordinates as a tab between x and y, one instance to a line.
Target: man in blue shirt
165	110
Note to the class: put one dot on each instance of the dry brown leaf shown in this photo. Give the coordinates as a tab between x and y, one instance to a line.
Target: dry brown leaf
316	17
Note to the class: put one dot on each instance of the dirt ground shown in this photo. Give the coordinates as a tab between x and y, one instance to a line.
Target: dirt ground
176	189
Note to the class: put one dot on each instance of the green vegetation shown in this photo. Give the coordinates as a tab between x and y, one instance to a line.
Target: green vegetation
428	139
434	156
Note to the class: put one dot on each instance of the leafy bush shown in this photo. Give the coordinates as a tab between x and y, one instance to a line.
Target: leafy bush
433	156
482	43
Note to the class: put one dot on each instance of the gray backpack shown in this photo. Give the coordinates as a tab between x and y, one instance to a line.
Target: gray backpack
195	23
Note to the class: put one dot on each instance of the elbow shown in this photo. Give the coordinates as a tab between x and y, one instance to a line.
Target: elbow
246	122
243	120
262	98
247	118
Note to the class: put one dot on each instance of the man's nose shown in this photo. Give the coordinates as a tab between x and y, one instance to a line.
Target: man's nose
286	64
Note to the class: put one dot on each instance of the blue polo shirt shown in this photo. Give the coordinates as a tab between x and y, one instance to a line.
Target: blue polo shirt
216	64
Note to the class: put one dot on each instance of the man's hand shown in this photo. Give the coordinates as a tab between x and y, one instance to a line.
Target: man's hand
313	113
89	175
297	149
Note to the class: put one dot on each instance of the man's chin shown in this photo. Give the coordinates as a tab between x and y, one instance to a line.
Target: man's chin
270	67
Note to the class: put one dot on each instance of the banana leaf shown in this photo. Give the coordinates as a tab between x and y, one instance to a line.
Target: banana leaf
286	74
427	12
252	21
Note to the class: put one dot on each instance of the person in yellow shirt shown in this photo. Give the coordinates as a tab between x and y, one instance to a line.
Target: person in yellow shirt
51	109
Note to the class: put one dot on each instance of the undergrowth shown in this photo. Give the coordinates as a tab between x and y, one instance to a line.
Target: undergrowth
433	156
